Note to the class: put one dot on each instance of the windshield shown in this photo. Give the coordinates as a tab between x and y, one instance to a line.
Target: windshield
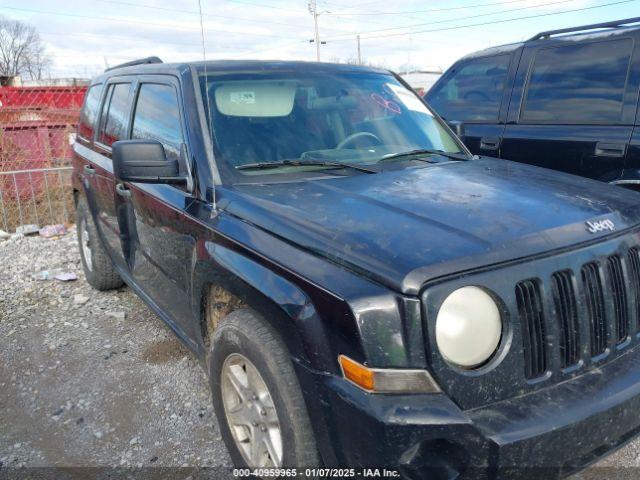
355	118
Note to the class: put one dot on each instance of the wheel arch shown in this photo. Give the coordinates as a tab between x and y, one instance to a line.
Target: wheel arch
234	280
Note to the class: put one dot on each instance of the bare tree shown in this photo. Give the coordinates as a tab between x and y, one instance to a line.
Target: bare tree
21	50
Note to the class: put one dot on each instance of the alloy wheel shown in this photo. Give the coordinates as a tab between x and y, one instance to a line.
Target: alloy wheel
85	244
251	413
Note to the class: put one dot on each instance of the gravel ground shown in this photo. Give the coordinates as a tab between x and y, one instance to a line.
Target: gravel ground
94	379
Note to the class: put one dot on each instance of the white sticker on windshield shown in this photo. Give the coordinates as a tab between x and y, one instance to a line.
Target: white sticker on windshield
243	98
408	99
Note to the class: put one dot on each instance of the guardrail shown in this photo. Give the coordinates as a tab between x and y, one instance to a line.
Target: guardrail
39	196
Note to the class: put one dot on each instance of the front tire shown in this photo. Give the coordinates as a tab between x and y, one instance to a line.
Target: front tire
256	396
98	267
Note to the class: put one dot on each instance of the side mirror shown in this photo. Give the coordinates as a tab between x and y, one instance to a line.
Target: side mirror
458	128
144	161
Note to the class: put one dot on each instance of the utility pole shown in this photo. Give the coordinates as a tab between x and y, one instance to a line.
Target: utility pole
313	8
359	54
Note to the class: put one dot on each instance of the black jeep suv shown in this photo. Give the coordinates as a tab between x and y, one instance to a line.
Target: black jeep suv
361	291
565	99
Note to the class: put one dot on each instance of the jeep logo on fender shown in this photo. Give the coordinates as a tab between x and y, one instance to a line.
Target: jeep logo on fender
599	226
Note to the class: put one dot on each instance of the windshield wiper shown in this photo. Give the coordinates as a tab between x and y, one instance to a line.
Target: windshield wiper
423	151
302	163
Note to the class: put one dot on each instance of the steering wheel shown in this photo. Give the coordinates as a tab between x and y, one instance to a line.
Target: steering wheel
355	136
481	96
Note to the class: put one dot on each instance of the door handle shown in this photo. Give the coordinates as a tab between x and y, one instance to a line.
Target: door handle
490	143
89	170
123	191
604	149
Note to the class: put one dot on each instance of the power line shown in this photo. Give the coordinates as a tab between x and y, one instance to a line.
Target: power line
431	10
338	15
298	42
76	15
262	5
358	8
196	44
124	37
495	21
209	15
407	14
461	18
128	38
136	22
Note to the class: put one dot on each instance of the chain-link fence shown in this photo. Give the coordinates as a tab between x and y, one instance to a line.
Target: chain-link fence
36	129
39	196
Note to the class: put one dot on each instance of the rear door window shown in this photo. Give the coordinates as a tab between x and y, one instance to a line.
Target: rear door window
115	113
157	117
578	84
472	91
89	113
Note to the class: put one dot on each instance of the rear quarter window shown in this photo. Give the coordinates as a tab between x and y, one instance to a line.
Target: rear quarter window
578	84
89	113
472	91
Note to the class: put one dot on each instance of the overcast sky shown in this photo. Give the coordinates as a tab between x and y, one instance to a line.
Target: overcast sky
83	36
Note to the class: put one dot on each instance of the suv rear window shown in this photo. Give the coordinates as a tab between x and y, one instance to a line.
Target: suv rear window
114	114
89	113
157	117
473	90
578	84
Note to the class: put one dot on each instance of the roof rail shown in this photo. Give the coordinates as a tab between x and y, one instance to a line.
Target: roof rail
615	23
141	61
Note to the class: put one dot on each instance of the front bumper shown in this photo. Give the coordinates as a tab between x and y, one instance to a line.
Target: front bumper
545	434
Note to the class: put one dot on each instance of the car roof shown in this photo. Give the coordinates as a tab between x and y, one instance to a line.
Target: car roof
585	32
240	66
508	48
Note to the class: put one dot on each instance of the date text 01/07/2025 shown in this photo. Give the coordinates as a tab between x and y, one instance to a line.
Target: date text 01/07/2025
316	473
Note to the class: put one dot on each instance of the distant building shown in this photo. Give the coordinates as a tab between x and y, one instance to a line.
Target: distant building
17	81
10	81
422	80
56	82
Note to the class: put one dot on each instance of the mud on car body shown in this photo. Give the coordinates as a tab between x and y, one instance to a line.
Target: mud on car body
361	290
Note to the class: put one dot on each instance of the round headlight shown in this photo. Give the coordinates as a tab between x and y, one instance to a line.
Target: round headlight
468	327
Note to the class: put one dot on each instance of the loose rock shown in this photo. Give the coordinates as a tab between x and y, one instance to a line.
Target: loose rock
118	315
80	299
30	229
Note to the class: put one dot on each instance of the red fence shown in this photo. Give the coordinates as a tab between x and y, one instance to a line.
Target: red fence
36	124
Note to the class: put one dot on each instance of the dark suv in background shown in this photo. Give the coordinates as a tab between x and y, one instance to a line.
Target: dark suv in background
564	99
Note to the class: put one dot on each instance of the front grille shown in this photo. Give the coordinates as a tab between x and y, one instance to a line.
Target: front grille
534	337
621	314
633	261
564	300
595	308
607	292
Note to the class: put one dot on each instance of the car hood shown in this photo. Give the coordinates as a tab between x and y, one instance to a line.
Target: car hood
405	227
